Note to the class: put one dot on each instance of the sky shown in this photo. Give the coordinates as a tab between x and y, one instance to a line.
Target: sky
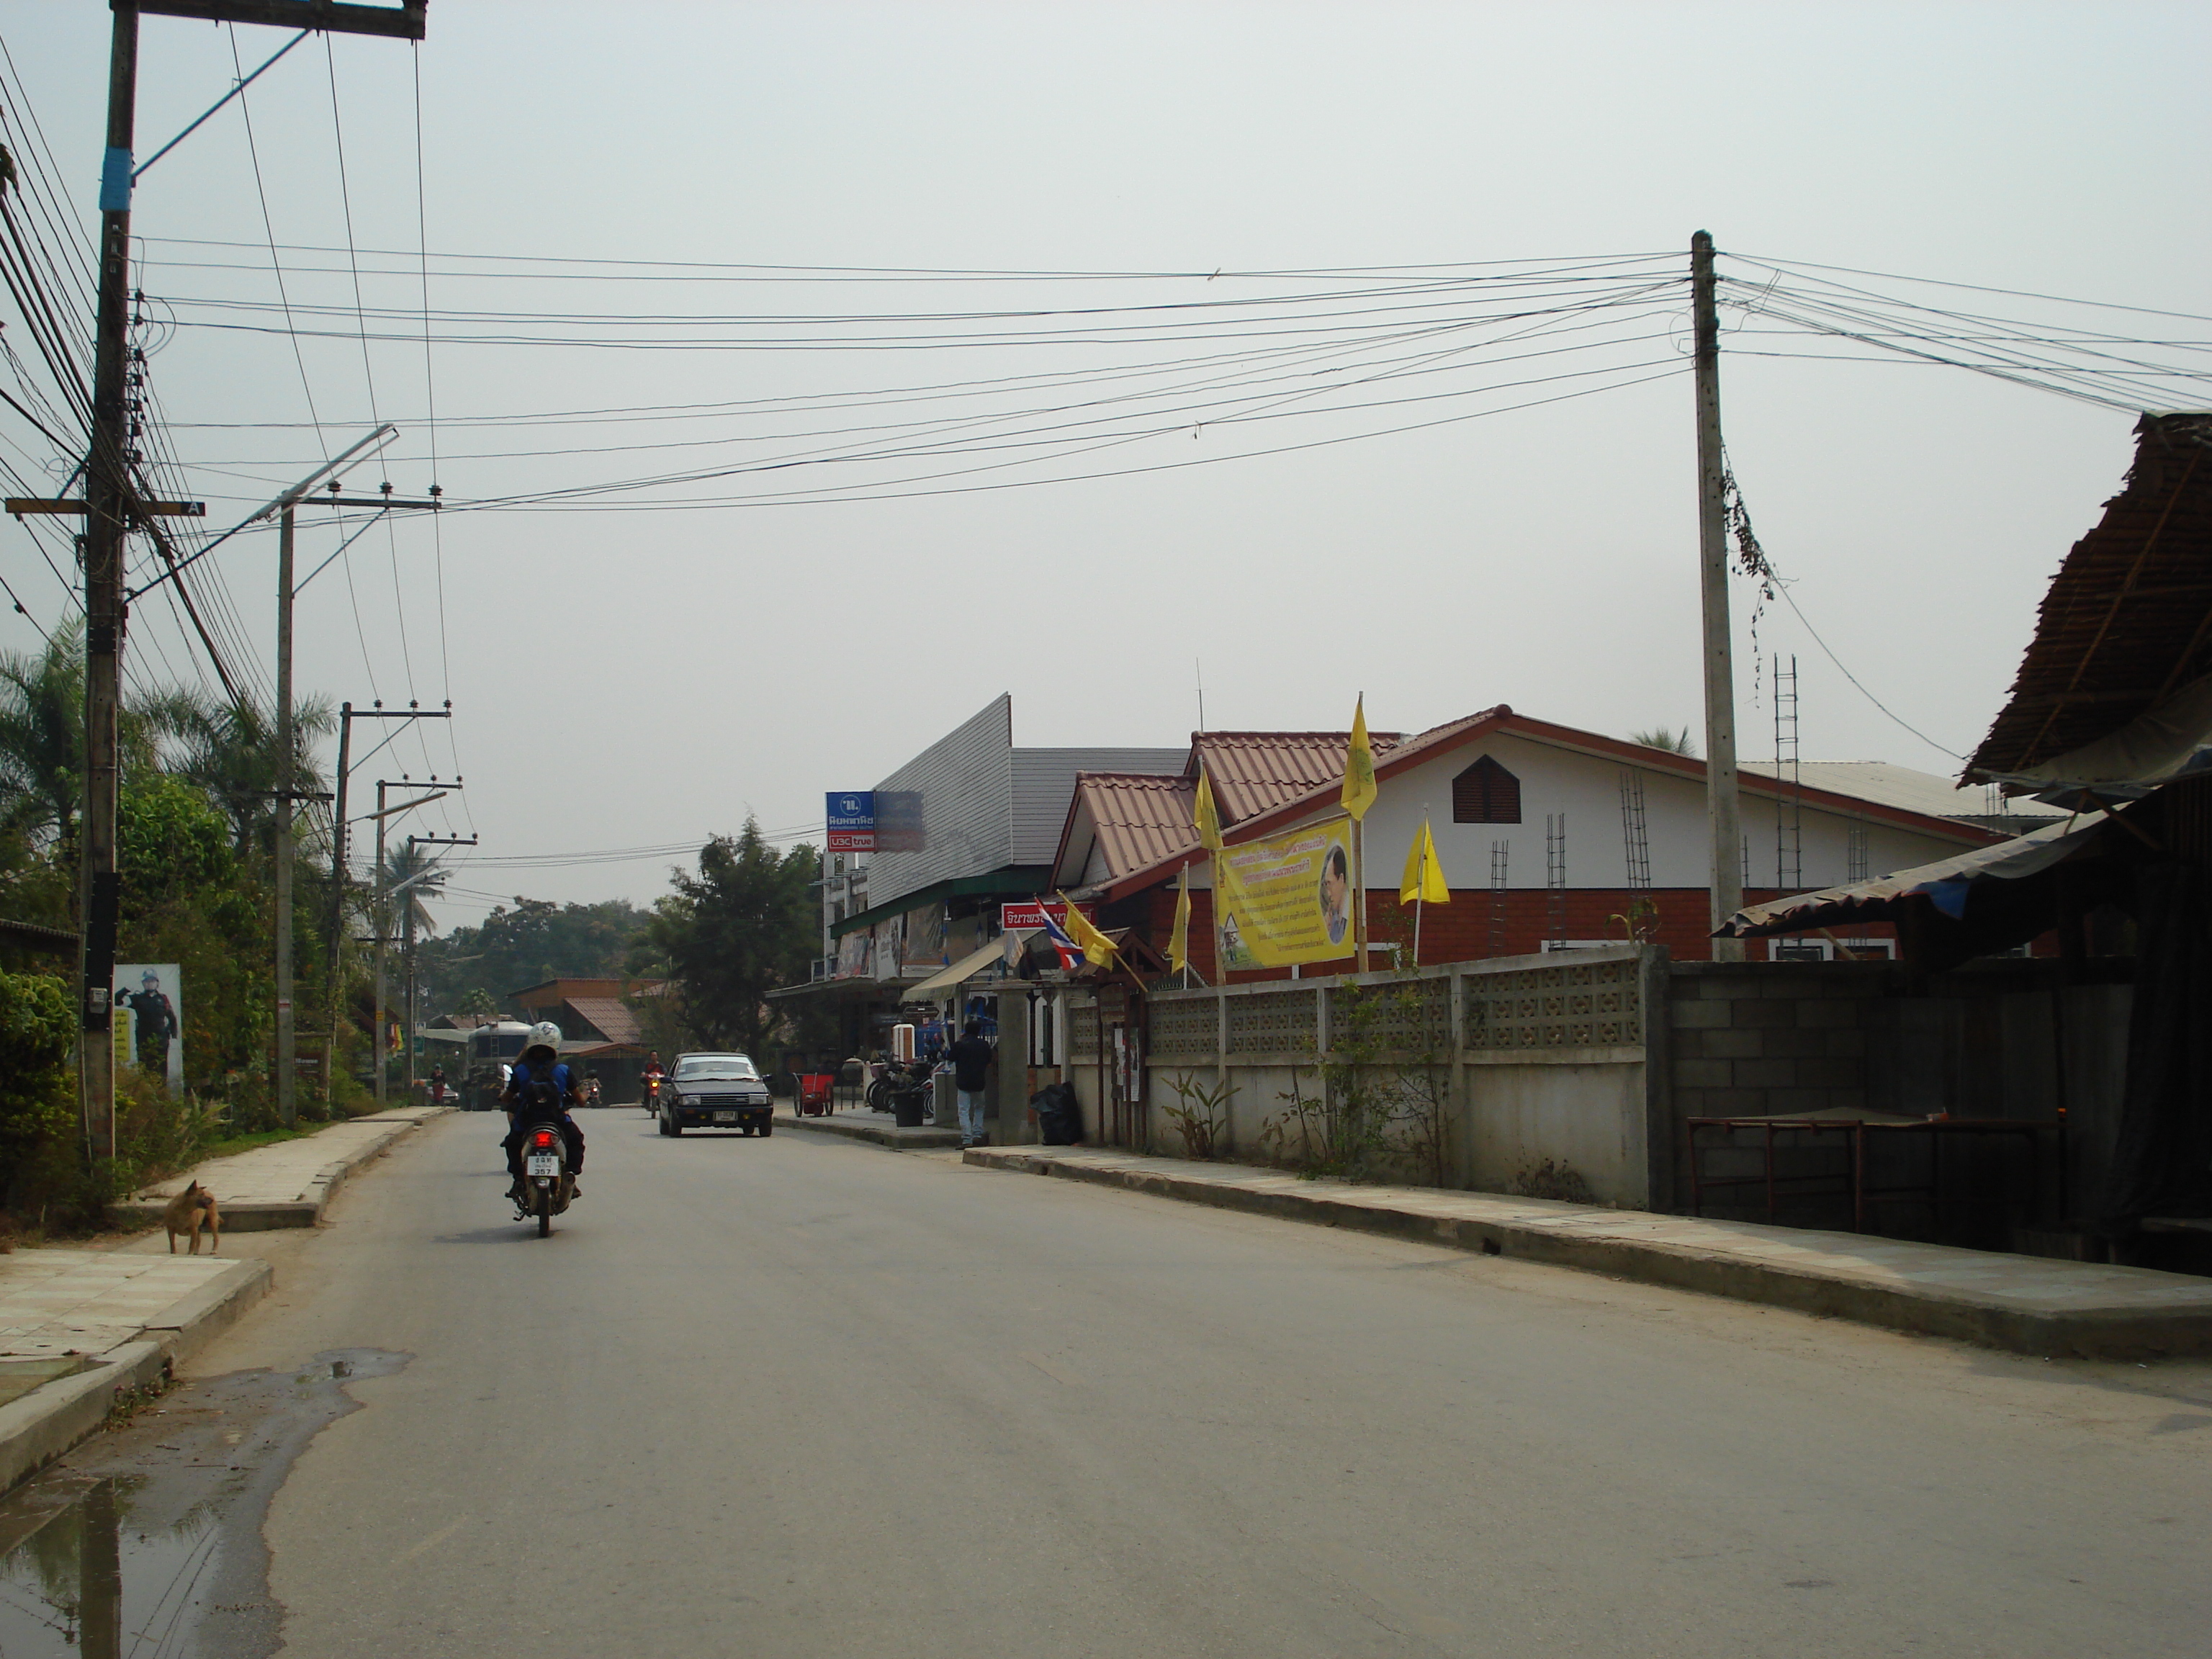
631	671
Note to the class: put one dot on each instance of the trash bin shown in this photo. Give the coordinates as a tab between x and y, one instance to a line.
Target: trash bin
1059	1120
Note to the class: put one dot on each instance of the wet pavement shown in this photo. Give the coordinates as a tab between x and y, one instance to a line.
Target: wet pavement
147	1540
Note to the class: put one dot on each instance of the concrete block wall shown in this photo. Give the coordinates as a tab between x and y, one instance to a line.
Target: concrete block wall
1752	1039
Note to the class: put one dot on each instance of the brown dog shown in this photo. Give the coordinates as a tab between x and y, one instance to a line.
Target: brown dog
187	1211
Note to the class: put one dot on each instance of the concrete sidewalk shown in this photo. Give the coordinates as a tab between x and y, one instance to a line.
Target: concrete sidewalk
82	1329
861	1125
289	1182
2028	1304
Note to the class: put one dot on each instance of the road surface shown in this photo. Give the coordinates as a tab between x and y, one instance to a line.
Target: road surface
803	1397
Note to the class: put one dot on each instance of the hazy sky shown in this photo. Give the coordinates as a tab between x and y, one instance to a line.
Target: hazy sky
631	679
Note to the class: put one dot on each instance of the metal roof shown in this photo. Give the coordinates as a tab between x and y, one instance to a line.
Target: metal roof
1254	771
2127	621
1900	786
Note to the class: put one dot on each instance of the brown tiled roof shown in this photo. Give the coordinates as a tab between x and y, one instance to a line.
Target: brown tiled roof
1254	771
609	1015
1138	818
2128	620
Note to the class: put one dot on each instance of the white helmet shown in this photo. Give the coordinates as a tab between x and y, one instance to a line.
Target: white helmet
543	1035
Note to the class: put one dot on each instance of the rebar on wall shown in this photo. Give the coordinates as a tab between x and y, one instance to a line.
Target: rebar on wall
1789	800
1497	850
1854	854
1555	876
1634	833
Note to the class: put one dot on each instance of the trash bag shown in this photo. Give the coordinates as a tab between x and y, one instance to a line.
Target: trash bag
1059	1120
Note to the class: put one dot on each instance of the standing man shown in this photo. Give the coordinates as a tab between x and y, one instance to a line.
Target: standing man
972	1058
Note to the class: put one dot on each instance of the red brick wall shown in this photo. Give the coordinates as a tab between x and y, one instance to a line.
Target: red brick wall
1460	931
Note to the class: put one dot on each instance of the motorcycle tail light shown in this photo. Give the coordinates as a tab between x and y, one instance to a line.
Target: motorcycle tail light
544	1139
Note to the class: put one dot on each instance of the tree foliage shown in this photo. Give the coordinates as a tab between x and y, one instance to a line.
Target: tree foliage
745	923
537	940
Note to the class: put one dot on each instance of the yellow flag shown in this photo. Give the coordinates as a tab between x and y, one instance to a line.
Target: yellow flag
1203	817
1179	940
1098	949
1360	790
1425	877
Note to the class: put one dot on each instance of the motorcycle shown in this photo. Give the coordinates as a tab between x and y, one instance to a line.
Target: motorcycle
900	1088
651	1090
547	1185
591	1092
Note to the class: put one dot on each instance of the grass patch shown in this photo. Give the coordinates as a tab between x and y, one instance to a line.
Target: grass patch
246	1143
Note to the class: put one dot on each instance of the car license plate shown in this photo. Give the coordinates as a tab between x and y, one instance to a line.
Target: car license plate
725	1117
544	1164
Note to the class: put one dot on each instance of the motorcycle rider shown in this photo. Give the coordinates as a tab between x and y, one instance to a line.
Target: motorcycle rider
438	1085
540	1063
652	1074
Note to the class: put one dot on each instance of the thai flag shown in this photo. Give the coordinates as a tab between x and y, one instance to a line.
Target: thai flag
1070	953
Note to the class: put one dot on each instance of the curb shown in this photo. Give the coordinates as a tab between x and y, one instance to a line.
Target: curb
1560	1235
306	1211
925	1140
54	1419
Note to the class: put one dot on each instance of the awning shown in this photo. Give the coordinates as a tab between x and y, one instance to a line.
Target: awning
947	979
1943	883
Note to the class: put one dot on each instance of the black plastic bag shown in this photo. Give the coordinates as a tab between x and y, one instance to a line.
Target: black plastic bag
1060	1119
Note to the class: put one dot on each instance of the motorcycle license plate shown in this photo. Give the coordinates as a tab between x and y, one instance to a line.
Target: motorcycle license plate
544	1164
725	1117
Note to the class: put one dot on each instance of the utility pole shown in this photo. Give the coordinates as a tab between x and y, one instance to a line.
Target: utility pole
383	898
413	1012
286	507
339	825
108	498
1722	813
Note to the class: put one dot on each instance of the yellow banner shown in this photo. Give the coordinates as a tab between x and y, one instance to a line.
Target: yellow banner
1286	900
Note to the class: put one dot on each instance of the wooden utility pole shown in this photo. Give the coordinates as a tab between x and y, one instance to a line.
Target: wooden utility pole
1723	817
108	496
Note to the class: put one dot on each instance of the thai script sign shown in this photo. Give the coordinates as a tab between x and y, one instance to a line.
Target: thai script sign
1286	900
852	815
1031	914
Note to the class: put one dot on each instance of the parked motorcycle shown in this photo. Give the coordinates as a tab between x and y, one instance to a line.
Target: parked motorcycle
547	1185
902	1088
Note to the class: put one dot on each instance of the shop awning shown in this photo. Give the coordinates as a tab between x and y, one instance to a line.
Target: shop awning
1943	883
948	979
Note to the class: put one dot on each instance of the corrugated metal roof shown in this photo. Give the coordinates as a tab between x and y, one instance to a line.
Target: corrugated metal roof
1901	786
1254	771
1044	779
2127	621
1137	818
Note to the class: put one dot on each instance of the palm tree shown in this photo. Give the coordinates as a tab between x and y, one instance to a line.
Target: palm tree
1661	737
42	737
229	750
415	875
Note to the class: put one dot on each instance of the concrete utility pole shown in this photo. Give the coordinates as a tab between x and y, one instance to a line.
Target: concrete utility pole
1723	817
384	899
414	1013
108	498
346	715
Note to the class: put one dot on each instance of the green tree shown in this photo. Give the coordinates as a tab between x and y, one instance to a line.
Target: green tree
230	750
535	941
747	922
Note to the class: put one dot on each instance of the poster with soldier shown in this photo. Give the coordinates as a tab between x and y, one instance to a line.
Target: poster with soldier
152	993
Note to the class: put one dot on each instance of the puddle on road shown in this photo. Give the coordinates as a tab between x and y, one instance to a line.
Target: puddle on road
147	1541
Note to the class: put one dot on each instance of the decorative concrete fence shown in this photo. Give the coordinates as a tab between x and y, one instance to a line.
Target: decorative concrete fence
1531	1061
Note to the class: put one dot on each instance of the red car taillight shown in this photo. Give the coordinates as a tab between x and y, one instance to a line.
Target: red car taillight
544	1140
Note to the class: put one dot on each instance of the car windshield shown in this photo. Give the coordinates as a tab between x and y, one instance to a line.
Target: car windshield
713	1068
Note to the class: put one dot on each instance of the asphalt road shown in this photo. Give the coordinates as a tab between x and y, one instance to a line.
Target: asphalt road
804	1397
